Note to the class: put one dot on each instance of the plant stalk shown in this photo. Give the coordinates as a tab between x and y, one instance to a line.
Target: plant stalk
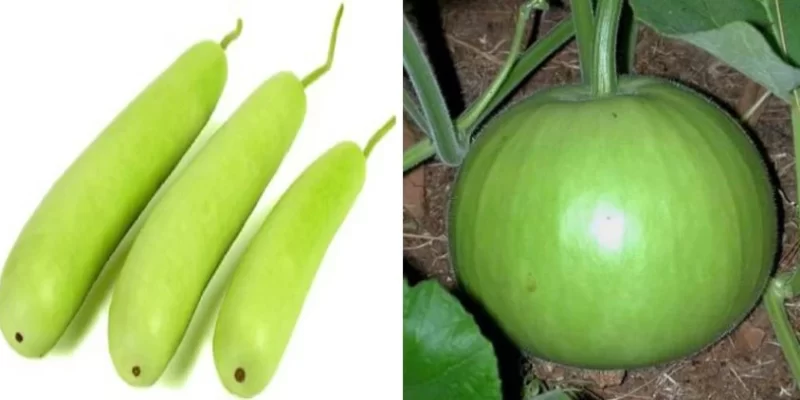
528	62
471	115
537	54
605	50
583	18
309	79
378	135
774	303
418	153
232	36
443	132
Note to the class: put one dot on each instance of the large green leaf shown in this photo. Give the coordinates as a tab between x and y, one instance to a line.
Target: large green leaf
742	47
738	32
444	354
677	17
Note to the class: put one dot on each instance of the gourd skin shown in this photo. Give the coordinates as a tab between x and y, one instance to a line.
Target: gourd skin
192	227
270	284
86	213
618	232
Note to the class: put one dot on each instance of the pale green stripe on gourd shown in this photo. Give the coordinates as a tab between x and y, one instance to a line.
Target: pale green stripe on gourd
269	286
87	212
193	225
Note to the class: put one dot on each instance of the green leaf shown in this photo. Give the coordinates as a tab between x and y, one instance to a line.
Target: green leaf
742	47
741	33
677	17
444	354
420	72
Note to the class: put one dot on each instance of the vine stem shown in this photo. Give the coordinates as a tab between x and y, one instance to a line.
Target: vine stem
583	17
418	153
605	47
529	61
774	303
474	112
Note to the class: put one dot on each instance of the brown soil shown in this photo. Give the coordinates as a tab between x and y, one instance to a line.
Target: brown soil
748	364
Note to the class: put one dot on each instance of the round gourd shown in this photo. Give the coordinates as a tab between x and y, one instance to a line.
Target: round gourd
615	232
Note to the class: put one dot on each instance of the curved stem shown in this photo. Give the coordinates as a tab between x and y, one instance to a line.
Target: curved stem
555	39
314	75
605	50
418	153
773	301
230	37
527	63
583	17
378	135
474	112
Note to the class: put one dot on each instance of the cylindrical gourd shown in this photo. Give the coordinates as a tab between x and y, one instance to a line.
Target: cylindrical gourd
193	225
87	212
270	284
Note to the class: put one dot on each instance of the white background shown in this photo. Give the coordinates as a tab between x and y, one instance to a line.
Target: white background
69	66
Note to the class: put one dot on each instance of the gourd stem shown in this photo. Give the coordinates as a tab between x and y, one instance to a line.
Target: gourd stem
314	75
418	153
527	62
474	112
230	37
377	136
773	301
605	49
583	18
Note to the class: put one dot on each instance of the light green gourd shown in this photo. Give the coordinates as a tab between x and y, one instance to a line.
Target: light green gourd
270	284
192	227
89	209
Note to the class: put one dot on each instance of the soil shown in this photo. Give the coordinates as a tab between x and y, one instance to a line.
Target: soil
747	364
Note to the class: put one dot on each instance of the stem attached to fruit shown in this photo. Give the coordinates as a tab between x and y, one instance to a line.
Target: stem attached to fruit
605	50
583	17
233	35
378	135
314	75
773	301
471	116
